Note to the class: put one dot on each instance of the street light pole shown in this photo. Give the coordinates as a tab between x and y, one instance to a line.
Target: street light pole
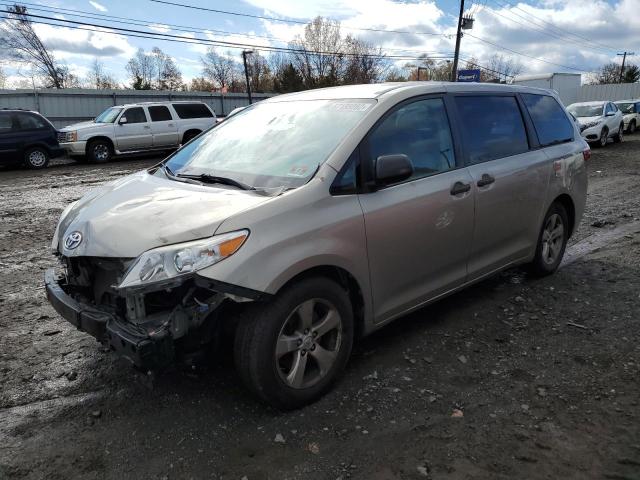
246	72
454	70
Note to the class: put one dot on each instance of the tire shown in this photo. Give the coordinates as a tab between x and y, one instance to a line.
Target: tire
548	258
99	151
36	158
619	137
188	136
604	137
632	126
272	375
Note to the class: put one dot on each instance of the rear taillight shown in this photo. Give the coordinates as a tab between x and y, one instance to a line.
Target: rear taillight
586	154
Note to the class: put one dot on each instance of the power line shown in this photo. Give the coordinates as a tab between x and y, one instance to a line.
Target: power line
297	22
562	31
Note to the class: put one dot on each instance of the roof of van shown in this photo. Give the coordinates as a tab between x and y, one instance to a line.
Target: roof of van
593	102
159	102
631	100
376	90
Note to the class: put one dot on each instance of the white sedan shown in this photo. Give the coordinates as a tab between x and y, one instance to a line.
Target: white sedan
599	121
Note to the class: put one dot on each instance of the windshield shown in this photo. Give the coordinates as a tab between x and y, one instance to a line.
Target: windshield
271	144
626	107
586	110
109	115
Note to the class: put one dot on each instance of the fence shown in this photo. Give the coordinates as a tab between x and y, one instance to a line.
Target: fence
610	91
64	107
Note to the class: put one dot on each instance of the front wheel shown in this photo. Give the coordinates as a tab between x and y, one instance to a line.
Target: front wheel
604	137
36	158
99	151
290	350
552	241
618	137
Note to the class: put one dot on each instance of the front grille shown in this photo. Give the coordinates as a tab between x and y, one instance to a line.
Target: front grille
62	136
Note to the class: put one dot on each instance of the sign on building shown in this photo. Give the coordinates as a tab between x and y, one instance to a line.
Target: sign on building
468	75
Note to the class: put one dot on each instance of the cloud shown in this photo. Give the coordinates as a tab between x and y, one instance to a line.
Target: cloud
66	42
159	27
97	6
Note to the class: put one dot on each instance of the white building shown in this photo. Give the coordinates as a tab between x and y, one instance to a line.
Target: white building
566	85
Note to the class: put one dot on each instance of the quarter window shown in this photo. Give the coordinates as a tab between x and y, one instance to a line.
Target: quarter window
135	115
159	113
192	110
420	130
549	119
493	127
6	122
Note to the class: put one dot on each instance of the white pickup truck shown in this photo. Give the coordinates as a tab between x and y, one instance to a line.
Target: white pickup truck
138	127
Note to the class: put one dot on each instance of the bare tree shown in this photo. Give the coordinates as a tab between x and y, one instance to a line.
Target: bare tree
20	42
498	68
201	84
318	53
141	70
259	73
3	78
167	73
431	69
364	63
395	75
222	70
610	73
98	77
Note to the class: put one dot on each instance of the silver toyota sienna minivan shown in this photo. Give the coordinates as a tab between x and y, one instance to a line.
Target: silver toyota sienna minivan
309	219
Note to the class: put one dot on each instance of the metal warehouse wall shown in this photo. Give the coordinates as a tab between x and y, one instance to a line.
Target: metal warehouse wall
64	107
611	91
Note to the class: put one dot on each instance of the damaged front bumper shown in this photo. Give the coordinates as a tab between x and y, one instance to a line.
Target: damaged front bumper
140	349
150	344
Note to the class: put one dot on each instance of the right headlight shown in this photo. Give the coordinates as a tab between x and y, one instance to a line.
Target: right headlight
172	261
593	123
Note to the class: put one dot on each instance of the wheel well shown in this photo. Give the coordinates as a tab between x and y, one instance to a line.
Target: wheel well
106	139
193	132
344	279
566	201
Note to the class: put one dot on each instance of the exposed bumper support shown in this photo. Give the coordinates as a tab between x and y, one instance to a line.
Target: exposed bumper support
133	344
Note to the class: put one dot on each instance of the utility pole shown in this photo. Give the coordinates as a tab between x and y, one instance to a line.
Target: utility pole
624	58
454	71
246	72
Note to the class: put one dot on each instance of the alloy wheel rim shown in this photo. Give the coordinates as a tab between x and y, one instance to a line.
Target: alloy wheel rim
101	152
37	158
552	239
621	133
308	343
603	138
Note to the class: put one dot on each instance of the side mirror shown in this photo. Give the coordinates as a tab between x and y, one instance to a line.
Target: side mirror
122	120
609	114
393	168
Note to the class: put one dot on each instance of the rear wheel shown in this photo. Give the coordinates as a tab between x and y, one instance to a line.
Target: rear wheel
618	137
552	241
632	126
36	158
99	151
290	350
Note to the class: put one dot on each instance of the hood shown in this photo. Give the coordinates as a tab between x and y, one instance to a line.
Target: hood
143	211
585	120
84	125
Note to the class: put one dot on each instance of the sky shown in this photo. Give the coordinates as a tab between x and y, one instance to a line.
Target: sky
548	35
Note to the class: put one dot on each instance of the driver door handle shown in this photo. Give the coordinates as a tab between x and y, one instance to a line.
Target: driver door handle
459	188
485	180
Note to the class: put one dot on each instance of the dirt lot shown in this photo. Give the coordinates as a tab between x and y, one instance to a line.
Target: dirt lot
546	373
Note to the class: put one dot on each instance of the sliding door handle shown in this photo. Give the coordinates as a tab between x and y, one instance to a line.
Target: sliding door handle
485	180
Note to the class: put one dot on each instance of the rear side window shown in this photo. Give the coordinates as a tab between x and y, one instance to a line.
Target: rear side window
549	119
192	110
30	122
135	115
159	113
493	127
5	122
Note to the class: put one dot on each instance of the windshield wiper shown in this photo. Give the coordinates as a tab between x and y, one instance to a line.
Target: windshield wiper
206	178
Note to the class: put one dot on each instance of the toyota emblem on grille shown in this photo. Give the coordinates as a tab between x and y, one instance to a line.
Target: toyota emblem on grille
73	240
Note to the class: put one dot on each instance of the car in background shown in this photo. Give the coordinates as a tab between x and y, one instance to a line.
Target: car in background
631	114
27	138
599	121
138	127
312	218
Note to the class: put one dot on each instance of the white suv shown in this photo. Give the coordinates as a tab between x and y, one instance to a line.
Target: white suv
137	128
598	121
631	111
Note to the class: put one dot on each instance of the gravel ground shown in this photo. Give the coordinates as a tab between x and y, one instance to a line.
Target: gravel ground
512	378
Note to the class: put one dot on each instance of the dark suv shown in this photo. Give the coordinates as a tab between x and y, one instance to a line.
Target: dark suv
27	137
